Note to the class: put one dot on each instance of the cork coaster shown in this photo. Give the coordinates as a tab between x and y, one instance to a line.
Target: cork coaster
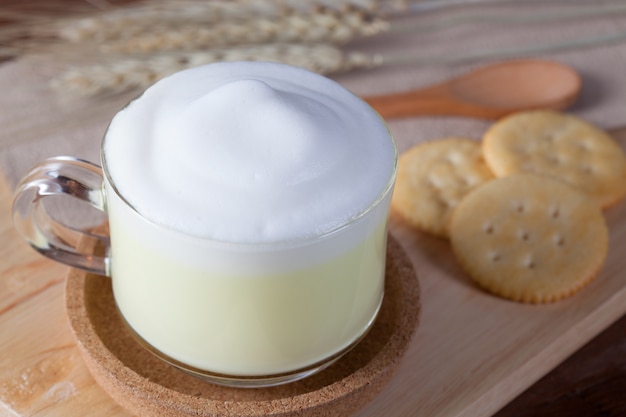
144	385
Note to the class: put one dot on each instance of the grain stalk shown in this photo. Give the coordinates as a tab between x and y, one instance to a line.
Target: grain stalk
320	26
129	73
127	22
131	47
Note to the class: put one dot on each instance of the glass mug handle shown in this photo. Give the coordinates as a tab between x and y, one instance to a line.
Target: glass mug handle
53	177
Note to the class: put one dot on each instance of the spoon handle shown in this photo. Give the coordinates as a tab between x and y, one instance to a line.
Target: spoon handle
432	101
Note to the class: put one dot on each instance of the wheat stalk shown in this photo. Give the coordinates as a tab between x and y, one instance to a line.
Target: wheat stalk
137	19
140	72
321	26
127	22
126	48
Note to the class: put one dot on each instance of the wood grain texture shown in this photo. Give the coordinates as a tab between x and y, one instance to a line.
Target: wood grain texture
472	354
41	370
590	383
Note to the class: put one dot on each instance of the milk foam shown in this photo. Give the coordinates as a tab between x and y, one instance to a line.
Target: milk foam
249	152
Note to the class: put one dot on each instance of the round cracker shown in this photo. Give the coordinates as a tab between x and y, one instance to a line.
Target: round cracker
560	145
433	177
529	238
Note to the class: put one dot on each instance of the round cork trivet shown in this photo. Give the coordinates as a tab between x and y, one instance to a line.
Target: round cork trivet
146	386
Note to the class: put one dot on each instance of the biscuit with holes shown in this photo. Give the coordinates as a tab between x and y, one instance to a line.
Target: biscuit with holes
433	177
561	145
529	238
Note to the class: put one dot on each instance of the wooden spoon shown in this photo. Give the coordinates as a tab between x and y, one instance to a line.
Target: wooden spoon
489	92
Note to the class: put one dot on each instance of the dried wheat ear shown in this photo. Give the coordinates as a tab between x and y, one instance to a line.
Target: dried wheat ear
127	74
320	27
137	34
128	48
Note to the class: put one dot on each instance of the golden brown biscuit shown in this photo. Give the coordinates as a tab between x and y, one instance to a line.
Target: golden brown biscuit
433	177
529	238
560	145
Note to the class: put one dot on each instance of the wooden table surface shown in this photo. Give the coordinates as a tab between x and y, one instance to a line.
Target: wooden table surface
591	382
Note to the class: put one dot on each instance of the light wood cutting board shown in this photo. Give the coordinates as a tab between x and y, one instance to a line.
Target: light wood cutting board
472	352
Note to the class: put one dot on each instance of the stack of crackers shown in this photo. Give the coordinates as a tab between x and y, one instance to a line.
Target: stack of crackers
523	208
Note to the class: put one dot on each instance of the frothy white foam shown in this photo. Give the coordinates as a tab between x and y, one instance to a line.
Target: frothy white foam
249	152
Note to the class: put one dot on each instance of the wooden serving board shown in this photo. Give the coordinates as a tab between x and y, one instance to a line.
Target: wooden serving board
472	352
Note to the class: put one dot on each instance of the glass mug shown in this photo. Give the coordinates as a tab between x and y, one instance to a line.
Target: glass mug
246	314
